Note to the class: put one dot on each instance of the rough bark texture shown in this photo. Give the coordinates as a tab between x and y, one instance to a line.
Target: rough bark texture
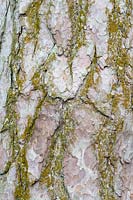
66	100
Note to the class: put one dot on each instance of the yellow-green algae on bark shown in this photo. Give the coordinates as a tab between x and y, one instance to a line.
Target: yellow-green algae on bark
32	14
118	58
104	145
77	11
22	166
37	81
10	122
23	183
18	154
119	24
89	81
52	174
22	187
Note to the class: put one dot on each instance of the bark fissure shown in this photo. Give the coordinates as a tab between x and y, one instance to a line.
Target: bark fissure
95	101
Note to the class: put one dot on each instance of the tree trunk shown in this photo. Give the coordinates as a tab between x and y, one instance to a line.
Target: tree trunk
66	100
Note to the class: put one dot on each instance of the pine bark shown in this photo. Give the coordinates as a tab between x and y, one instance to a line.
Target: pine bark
66	128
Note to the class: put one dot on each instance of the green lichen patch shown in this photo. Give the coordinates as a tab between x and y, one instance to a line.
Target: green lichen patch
89	81
37	79
48	13
10	122
22	187
52	174
119	25
32	14
104	144
31	121
78	15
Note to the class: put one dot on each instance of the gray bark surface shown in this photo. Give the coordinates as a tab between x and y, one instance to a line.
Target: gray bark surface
66	100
